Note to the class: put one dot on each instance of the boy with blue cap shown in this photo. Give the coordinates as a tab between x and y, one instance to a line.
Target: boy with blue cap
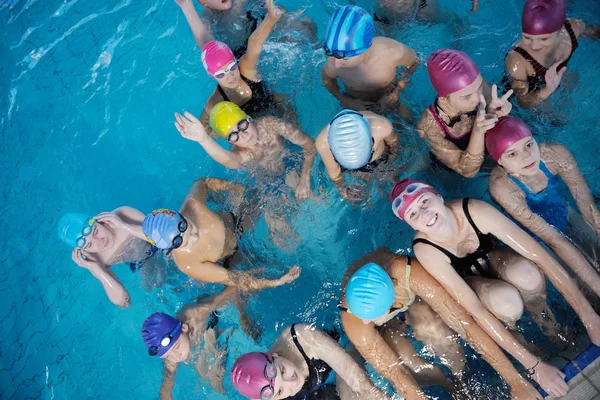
365	64
202	241
377	291
356	142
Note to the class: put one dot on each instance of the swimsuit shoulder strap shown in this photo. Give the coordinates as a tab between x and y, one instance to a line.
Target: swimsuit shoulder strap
519	184
300	349
222	93
451	256
411	294
545	170
465	206
438	120
538	68
574	41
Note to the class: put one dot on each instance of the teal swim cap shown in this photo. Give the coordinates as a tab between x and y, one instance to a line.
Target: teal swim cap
70	227
370	292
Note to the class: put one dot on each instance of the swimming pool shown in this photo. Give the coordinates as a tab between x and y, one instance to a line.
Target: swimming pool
88	91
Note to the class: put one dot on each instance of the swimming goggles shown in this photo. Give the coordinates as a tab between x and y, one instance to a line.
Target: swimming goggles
86	231
178	240
222	72
165	341
410	189
270	373
343	54
241	127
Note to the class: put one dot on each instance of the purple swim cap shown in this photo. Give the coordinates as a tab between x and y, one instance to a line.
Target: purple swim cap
507	131
248	374
543	16
158	326
450	71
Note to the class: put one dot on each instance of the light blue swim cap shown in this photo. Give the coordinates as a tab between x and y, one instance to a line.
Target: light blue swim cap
370	292
70	227
350	140
350	31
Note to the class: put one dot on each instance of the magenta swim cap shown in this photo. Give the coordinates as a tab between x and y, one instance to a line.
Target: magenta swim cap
451	71
507	131
216	55
405	192
248	374
543	16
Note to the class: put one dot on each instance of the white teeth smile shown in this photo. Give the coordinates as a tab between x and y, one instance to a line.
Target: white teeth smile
432	220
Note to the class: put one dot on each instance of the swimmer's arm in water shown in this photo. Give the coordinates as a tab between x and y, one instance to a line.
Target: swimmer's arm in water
191	129
201	33
329	78
516	66
321	346
334	171
459	320
371	345
490	220
166	387
403	56
114	289
257	40
383	128
125	218
204	186
294	135
510	197
466	163
198	313
561	160
584	29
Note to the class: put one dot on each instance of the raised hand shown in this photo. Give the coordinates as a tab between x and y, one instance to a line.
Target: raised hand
553	77
273	11
483	122
182	3
500	106
190	127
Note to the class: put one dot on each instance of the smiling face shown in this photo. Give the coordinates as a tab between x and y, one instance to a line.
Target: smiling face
427	214
522	158
220	5
540	43
102	239
180	351
467	99
288	381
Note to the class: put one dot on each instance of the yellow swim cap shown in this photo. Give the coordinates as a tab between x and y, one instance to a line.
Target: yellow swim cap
224	115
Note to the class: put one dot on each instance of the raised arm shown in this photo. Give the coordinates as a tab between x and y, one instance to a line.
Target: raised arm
490	220
321	346
510	197
124	218
438	266
257	40
166	387
191	129
293	134
381	356
457	318
114	289
201	32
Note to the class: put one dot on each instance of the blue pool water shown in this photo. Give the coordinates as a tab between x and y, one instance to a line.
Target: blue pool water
87	95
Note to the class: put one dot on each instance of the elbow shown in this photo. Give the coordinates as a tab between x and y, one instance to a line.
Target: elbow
125	301
468	174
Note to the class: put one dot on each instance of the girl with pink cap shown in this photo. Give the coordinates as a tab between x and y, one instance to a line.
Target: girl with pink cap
457	243
525	184
297	367
456	123
538	61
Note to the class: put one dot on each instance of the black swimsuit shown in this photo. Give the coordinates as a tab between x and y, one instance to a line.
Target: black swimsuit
261	100
318	371
538	81
371	165
475	263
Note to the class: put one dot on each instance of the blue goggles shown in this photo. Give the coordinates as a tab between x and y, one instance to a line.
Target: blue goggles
86	231
165	341
343	54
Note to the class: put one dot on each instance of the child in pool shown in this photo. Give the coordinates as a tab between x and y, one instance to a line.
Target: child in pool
200	238
377	291
538	61
296	367
356	142
177	339
525	184
456	123
454	243
364	64
107	239
259	142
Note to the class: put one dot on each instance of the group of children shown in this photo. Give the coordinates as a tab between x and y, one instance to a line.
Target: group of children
475	271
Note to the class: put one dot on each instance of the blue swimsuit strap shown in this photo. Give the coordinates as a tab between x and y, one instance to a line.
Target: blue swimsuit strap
525	189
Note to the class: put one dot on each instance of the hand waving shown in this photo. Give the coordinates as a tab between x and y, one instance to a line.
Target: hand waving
553	77
190	127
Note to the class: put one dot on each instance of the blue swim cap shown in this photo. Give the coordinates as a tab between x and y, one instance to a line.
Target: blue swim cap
370	292
350	140
70	227
350	31
162	226
158	326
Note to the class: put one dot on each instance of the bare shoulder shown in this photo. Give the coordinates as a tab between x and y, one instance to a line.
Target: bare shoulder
578	26
498	178
426	123
516	65
321	140
329	69
377	122
383	42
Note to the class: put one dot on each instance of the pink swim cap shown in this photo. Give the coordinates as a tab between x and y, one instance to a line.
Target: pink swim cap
507	131
451	71
216	55
405	192
248	374
543	16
